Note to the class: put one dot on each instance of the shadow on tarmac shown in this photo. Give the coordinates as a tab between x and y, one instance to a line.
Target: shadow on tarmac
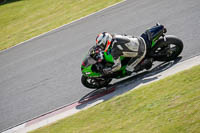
125	85
3	2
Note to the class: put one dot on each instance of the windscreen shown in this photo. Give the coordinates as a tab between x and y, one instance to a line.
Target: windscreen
88	61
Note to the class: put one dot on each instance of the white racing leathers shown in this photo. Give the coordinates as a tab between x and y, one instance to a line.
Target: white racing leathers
127	46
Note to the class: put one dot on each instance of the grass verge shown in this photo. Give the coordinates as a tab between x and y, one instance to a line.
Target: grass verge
171	105
23	19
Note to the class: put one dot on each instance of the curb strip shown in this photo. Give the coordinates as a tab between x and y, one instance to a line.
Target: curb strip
76	107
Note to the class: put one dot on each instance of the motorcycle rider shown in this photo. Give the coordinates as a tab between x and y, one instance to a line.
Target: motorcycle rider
129	46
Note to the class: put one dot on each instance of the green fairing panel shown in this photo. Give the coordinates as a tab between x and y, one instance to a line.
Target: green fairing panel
87	71
153	43
109	57
155	40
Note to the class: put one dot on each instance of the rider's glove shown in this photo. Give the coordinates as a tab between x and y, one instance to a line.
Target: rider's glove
107	70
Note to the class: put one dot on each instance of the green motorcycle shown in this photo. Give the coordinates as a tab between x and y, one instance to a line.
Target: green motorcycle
162	48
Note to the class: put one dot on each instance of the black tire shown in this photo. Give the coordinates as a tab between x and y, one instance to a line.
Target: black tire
164	50
94	83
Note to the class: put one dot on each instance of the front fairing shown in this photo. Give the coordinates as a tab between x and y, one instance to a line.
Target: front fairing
87	66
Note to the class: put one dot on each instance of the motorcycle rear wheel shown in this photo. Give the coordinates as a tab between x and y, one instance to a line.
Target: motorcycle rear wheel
167	50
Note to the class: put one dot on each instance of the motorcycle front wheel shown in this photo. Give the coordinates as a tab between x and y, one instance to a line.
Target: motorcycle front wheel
94	83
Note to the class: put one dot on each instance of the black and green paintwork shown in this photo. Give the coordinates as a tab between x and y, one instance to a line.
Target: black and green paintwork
87	71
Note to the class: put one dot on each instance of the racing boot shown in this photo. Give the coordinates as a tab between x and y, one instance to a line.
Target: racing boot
145	64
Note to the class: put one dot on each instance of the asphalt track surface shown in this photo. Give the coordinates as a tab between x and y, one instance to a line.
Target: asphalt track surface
43	74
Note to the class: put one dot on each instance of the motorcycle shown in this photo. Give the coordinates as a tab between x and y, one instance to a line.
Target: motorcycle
163	48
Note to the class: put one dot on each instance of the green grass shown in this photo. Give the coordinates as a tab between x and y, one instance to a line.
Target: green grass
171	105
24	19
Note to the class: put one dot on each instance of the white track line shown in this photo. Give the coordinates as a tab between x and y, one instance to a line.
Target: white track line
62	26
